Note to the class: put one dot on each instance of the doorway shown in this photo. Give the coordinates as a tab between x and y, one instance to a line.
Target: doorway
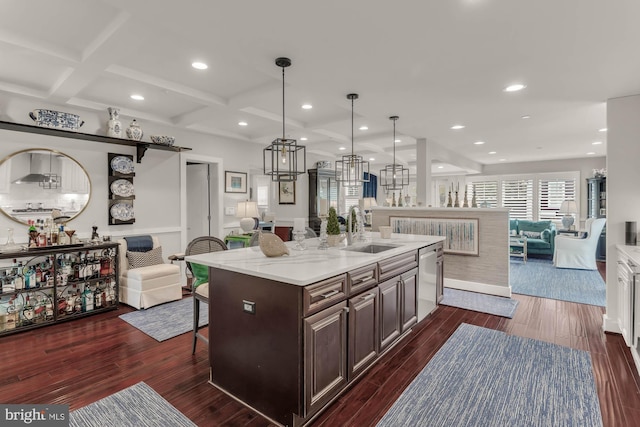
201	197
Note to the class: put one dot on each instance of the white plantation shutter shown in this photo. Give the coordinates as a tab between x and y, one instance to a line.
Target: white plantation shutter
551	193
517	195
351	198
486	193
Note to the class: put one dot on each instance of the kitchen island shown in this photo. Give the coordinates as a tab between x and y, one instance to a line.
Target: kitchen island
288	334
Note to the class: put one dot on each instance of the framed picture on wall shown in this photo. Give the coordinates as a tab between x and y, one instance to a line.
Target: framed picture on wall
235	182
287	193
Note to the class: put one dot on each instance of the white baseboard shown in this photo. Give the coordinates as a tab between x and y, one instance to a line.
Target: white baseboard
610	325
484	288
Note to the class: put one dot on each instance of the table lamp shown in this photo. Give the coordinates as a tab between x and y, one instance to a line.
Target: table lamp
247	211
568	208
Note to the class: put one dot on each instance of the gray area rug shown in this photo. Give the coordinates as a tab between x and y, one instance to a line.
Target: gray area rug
483	377
167	320
136	406
540	278
491	304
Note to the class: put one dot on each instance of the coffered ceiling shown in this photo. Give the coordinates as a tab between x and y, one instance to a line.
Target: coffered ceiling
433	63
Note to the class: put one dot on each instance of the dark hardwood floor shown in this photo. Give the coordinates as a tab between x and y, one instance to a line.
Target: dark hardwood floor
79	362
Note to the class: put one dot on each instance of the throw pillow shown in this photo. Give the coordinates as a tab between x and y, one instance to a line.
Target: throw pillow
145	259
545	235
532	234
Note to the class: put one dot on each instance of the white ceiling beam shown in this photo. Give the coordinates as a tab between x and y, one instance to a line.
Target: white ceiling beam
44	47
273	117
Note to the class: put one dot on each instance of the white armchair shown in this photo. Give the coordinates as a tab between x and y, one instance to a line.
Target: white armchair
576	252
152	281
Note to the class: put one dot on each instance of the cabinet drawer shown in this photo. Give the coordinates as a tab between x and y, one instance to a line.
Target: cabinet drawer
362	279
397	265
325	293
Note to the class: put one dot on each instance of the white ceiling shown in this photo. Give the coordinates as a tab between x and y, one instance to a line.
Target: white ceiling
433	63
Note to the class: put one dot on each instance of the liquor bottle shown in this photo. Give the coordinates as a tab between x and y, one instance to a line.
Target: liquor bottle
48	309
12	315
87	299
38	310
98	297
18	278
38	271
30	278
27	312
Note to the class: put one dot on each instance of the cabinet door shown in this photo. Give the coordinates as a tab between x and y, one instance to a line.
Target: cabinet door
408	295
389	312
325	356
363	331
440	275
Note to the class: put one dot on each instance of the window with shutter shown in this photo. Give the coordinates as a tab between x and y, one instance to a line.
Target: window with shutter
486	193
551	193
517	195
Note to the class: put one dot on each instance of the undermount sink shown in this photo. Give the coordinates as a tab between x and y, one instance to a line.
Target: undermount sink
369	249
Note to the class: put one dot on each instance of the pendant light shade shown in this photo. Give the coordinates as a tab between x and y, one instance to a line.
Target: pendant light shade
394	176
350	171
284	159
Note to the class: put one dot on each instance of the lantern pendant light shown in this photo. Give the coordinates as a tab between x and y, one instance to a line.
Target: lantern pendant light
394	177
281	159
351	170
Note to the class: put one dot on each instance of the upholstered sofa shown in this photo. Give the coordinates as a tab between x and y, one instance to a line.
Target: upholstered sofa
145	279
541	235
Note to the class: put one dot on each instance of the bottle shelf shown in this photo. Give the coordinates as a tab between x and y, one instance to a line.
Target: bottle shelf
28	308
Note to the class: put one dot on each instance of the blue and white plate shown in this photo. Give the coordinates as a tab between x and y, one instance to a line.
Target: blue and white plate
122	164
122	188
122	211
56	119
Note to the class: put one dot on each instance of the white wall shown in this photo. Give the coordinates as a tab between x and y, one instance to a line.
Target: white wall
623	195
157	180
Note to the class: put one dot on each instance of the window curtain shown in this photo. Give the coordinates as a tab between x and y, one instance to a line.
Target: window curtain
370	189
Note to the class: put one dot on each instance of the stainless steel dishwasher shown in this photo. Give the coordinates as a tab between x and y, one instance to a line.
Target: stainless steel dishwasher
427	281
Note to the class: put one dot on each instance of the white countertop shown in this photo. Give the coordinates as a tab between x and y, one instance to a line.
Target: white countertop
311	265
633	252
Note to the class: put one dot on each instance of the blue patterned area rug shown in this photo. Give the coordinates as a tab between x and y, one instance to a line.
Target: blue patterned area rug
167	320
138	405
491	304
540	278
483	377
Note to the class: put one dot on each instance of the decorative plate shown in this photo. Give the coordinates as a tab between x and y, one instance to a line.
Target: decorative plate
122	211
122	187
122	164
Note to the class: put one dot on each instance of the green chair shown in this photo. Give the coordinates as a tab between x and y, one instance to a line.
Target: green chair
201	245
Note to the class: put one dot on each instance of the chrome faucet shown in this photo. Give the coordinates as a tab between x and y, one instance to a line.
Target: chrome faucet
358	225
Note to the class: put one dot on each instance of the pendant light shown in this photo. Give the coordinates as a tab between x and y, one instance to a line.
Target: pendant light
351	169
394	177
280	159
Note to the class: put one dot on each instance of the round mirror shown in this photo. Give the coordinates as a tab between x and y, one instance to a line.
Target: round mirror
34	182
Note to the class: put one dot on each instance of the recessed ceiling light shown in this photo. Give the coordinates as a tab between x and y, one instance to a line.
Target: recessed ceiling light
303	138
602	130
341	148
307	106
371	159
590	153
492	152
440	167
137	97
398	141
502	160
479	142
526	116
514	87
199	65
242	123
596	143
457	127
364	127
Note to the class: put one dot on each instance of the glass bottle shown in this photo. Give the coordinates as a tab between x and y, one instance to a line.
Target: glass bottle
87	299
18	277
12	315
27	312
10	241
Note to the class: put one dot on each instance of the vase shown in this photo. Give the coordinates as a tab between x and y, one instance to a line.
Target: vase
134	131
114	128
334	240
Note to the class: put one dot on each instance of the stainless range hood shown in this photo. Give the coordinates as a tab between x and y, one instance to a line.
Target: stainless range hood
40	171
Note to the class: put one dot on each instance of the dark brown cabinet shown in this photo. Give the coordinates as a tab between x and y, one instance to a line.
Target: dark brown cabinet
325	356
408	298
389	312
363	331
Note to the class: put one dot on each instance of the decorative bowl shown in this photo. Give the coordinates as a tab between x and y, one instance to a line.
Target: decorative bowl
162	139
56	119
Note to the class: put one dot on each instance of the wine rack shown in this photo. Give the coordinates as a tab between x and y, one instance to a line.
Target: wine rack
56	284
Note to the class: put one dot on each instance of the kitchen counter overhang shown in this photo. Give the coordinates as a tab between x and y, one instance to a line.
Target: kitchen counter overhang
312	265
